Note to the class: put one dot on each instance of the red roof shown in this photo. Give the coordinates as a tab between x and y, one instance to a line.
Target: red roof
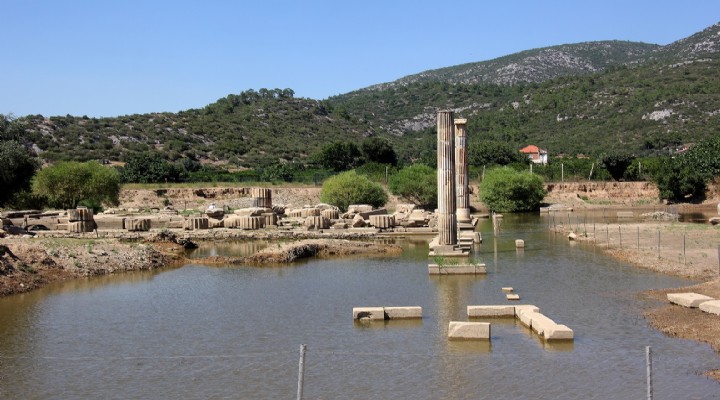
530	149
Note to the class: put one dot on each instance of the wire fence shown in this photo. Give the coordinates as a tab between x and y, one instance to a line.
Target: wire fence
687	249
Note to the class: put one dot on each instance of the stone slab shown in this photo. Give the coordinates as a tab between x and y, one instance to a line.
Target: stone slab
558	332
525	314
711	306
519	243
403	312
512	296
457	269
490	311
369	313
469	330
507	289
691	300
540	323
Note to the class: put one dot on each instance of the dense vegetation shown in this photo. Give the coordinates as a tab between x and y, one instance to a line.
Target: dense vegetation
349	188
507	190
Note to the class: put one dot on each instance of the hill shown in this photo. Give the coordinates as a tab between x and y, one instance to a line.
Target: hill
575	98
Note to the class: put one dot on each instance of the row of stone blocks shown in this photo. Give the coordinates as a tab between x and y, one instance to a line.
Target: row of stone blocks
529	315
695	300
384	313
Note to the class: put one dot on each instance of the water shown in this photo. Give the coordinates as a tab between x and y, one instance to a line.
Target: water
201	332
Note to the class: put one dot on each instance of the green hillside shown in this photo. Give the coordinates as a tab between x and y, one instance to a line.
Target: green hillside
577	98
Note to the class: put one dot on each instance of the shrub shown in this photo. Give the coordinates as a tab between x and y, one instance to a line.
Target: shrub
417	184
507	190
67	184
350	188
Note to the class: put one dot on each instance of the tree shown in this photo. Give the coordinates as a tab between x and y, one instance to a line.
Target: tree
18	168
489	153
417	184
617	163
507	190
378	150
687	175
67	184
350	188
150	168
339	156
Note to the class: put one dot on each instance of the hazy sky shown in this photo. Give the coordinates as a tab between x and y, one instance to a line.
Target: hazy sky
109	58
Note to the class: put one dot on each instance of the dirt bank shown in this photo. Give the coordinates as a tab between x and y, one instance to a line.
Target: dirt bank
27	264
323	248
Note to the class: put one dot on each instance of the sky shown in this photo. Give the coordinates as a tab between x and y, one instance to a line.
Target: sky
111	58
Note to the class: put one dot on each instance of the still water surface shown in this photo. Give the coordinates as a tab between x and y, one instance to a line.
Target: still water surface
201	332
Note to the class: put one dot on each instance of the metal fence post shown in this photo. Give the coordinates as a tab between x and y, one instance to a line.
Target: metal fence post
301	372
648	361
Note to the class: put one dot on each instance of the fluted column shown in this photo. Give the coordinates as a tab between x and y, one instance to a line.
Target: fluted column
447	223
461	171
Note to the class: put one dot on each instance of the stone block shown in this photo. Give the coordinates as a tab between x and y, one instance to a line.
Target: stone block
558	332
367	214
330	213
316	222
625	214
540	323
382	221
270	219
512	296
469	330
81	226
519	243
457	269
403	312
137	224
711	306
525	314
80	214
195	223
507	289
358	208
692	300
490	311
369	313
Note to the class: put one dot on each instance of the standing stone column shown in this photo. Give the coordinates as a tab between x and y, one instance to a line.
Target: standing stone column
447	223
461	171
261	197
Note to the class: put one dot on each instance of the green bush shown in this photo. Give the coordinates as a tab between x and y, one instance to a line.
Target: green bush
417	184
67	184
507	190
350	188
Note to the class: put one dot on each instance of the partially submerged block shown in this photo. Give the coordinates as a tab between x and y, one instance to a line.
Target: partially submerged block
457	269
403	312
512	296
369	313
383	313
525	313
692	300
469	330
558	332
490	311
541	323
711	306
507	289
519	243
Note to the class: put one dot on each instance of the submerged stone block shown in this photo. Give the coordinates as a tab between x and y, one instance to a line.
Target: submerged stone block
558	332
457	269
519	243
512	296
691	300
490	311
540	323
403	312
369	313
469	330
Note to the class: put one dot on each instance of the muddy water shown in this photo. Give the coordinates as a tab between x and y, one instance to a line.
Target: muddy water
197	332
